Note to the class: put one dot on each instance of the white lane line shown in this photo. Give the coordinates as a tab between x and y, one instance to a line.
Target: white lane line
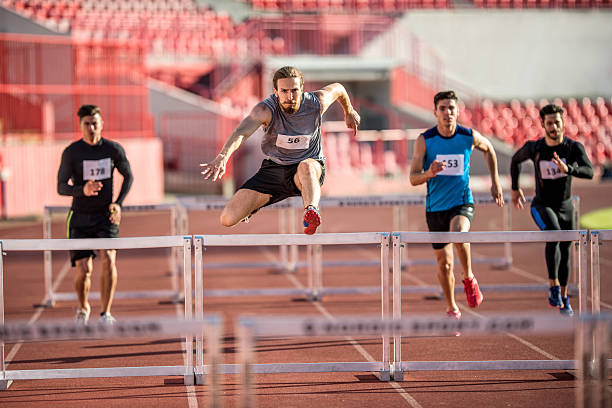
58	279
192	399
409	398
411	401
465	308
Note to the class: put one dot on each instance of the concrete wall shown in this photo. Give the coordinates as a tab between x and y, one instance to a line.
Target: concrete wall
505	54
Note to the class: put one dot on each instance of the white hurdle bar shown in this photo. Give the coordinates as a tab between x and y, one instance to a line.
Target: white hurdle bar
382	239
589	354
400	239
597	237
103	243
173	262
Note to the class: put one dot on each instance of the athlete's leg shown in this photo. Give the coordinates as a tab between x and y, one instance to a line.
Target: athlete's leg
444	257
565	216
108	280
241	205
547	220
82	281
307	181
460	223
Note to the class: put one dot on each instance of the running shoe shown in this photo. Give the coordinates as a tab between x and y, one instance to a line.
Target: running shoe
312	219
82	316
554	296
472	292
454	314
567	308
107	318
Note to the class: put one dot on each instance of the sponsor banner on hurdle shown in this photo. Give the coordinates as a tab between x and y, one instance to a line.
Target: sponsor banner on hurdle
422	325
126	328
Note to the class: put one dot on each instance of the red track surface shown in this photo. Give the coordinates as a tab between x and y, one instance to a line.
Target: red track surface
148	270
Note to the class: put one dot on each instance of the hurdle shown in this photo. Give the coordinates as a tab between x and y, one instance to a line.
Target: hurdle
203	241
597	237
251	328
401	239
174	261
102	243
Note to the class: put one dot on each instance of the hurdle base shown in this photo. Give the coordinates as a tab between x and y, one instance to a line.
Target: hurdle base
189	379
398	375
5	384
200	378
385	375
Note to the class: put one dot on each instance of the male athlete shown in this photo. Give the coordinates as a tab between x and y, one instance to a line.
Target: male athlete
295	165
89	163
441	158
556	159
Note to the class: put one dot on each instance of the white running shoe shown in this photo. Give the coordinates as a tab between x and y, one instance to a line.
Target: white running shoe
82	316
107	318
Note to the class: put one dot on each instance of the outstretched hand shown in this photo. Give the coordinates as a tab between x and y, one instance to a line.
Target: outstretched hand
352	120
214	169
518	198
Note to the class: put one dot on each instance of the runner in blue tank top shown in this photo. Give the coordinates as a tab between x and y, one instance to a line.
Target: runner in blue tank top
441	159
295	165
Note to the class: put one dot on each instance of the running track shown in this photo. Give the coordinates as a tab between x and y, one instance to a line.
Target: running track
147	270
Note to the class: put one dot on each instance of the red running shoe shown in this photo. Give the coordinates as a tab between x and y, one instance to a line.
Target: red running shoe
454	314
472	292
312	219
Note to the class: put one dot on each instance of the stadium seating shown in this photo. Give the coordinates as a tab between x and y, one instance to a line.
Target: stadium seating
588	121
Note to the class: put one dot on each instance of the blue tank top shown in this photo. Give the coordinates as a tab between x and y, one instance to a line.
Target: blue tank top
450	187
291	138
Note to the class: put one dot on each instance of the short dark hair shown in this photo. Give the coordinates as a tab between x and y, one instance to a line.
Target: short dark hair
287	72
549	109
87	110
444	95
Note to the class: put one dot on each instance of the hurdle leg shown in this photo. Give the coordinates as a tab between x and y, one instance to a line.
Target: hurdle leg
582	272
595	273
282	224
246	337
213	331
592	363
4	384
199	310
48	262
189	374
397	373
310	260
574	255
507	226
384	298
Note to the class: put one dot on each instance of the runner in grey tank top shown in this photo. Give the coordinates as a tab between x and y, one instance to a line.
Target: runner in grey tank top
291	119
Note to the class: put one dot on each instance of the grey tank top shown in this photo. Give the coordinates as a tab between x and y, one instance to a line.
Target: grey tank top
291	138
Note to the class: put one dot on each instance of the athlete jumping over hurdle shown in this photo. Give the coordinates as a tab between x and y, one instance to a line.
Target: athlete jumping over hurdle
556	159
90	163
441	158
295	165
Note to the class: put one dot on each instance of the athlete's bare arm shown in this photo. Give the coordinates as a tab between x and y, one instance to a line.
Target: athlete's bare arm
484	145
336	92
417	175
260	115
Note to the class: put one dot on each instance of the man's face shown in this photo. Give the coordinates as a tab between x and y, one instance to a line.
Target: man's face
91	127
446	113
553	125
289	94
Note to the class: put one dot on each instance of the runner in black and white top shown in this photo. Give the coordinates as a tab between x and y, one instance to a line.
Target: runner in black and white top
556	159
295	165
89	164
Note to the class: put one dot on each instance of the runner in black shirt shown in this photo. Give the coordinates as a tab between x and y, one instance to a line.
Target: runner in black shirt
556	159
89	163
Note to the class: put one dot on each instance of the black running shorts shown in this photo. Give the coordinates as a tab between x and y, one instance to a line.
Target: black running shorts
81	225
439	221
277	180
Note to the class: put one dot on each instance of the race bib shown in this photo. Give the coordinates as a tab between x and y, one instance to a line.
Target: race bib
550	171
293	142
454	164
96	169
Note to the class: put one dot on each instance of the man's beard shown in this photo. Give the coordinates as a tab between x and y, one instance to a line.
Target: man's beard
290	108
